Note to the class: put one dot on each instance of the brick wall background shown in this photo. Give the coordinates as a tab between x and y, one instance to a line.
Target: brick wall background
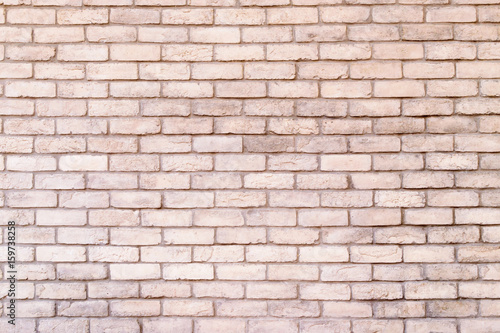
257	166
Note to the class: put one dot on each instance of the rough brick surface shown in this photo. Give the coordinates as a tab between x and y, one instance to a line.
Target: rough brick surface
252	166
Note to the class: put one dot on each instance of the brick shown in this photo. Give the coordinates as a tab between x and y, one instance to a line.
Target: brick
215	35
31	199
188	271
374	70
451	272
428	179
279	325
374	144
380	180
428	70
134	16
476	216
324	291
83	308
485	51
128	308
110	34
457	14
58	35
187	16
266	34
489	88
320	33
347	309
346	89
162	35
176	324
397	14
430	290
450	50
113	289
31	16
399	89
342	51
30	89
244	16
384	291
470	32
312	161
460	198
82	16
373	33
376	254
292	52
487	325
426	32
292	15
344	14
187	52
15	35
346	163
61	254
439	161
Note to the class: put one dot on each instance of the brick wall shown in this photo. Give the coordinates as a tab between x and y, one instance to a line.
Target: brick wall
252	166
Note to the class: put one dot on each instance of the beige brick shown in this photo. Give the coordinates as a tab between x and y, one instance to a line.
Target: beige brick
156	325
129	308
428	70
484	51
373	33
376	254
113	289
31	199
456	14
397	14
82	235
341	51
82	16
162	35
430	290
111	34
292	52
331	33
486	325
187	16
31	16
30	89
264	70
240	89
61	253
215	35
134	16
451	272
426	32
266	34
346	89
292	15
29	53
374	70
134	271
179	52
344	14
192	199
347	309
255	166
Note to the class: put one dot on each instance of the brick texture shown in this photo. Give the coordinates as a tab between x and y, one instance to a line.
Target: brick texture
252	166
